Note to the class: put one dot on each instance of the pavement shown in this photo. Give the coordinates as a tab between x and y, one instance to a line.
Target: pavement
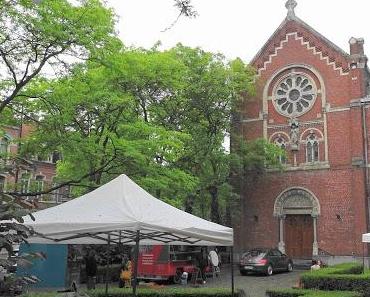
254	285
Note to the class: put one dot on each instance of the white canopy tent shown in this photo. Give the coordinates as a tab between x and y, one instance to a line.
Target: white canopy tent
366	237
121	212
120	208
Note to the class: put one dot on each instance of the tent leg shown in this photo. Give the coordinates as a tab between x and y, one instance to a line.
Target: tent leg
107	267
136	261
232	271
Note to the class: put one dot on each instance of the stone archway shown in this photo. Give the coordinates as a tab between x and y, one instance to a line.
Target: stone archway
301	203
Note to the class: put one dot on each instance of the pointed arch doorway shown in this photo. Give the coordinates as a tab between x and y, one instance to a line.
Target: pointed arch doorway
297	210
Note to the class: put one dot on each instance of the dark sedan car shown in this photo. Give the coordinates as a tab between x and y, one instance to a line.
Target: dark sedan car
264	261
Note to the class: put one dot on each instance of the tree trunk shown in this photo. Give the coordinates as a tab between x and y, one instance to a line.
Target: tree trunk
215	211
189	203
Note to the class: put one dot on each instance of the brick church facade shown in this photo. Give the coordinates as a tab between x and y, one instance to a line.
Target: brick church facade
312	101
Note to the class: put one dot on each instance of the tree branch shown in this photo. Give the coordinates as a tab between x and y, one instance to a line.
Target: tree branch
9	66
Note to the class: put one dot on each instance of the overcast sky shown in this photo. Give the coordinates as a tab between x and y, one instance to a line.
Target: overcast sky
237	28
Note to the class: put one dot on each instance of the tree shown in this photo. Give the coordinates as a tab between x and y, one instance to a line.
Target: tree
160	117
98	117
213	88
38	39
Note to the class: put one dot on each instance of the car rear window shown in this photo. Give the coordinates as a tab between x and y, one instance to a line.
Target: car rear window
254	254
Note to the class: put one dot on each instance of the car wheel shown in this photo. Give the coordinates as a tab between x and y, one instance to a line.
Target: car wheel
242	272
269	270
290	267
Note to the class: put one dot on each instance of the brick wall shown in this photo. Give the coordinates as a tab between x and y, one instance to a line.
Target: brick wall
36	168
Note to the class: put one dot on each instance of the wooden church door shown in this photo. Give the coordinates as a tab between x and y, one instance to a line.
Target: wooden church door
299	236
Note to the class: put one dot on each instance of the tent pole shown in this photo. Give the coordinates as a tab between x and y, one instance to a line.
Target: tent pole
136	261
107	267
232	270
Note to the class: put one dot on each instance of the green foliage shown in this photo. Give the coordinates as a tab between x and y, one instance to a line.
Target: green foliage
34	35
159	117
256	156
309	293
96	118
167	292
345	277
203	109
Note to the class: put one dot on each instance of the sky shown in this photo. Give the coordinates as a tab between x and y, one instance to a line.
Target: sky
236	28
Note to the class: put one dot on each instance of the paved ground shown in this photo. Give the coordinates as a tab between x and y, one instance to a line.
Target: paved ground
255	285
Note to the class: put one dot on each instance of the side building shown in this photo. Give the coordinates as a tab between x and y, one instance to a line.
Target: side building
34	175
312	101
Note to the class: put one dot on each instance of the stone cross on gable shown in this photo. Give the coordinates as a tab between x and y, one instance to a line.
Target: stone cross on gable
290	5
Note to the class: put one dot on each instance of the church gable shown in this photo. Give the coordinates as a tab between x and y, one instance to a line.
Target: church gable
295	29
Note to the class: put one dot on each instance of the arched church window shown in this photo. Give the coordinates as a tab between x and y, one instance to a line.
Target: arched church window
312	148
294	95
280	142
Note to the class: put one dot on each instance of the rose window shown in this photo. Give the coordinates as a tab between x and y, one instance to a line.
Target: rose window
295	95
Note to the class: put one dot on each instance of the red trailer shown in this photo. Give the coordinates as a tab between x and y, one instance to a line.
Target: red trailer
163	262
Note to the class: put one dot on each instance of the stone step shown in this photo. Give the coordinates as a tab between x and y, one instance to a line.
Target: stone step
302	264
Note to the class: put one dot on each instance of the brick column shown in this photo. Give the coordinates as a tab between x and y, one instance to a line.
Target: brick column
315	245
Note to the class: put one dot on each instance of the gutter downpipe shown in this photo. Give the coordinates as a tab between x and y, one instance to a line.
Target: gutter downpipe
364	102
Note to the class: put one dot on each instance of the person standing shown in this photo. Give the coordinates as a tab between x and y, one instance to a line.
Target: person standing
203	263
91	270
315	265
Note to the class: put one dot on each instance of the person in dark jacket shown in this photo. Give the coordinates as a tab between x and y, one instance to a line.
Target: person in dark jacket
91	270
203	263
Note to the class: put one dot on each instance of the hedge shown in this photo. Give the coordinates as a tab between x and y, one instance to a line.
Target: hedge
167	292
161	292
310	293
343	277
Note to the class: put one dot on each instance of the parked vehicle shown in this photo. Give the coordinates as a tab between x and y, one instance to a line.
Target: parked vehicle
161	262
264	260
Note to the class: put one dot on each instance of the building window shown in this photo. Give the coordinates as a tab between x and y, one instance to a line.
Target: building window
39	184
2	184
57	195
4	145
25	182
281	143
55	157
294	95
312	148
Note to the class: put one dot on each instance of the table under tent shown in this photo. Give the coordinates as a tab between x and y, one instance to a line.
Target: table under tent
121	212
